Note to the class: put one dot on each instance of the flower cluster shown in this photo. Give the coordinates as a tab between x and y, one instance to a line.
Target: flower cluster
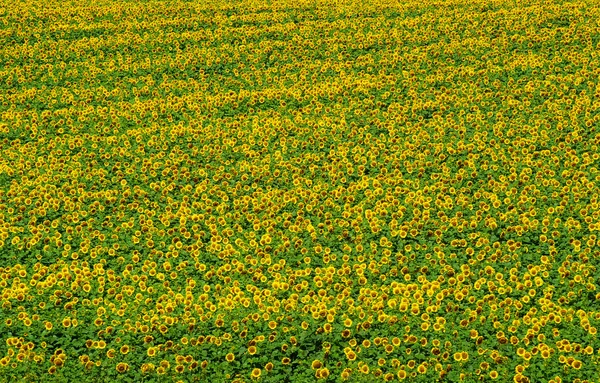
299	191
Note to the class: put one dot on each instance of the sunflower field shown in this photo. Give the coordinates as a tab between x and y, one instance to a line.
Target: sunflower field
294	191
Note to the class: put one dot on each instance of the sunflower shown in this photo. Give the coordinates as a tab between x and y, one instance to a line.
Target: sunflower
256	373
323	373
230	357
122	367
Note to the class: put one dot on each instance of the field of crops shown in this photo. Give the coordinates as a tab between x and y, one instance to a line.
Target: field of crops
299	191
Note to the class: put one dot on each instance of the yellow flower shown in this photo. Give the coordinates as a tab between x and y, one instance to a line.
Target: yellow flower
345	374
122	367
252	350
230	357
351	355
323	373
256	373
